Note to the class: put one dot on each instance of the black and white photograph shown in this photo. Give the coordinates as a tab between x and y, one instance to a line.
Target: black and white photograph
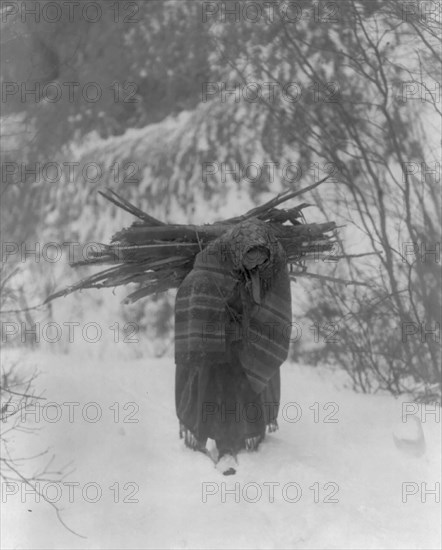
220	274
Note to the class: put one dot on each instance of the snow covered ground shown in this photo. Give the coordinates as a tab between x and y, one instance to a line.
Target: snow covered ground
331	478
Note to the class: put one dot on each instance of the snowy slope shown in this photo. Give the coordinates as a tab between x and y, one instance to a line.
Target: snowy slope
356	456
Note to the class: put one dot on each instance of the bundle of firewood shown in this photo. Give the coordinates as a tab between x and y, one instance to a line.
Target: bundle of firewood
158	256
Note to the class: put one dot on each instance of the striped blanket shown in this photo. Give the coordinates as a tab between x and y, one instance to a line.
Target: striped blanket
215	305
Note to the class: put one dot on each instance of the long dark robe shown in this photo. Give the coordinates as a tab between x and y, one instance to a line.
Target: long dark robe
228	349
